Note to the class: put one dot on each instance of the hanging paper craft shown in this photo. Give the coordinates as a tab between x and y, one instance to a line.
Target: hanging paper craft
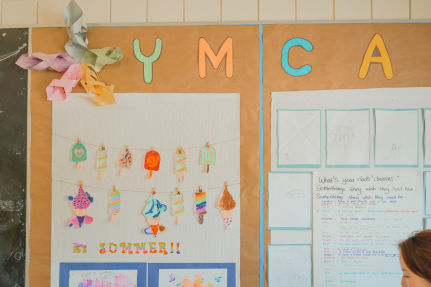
103	93
152	211
201	204
126	160
77	45
102	161
80	204
114	203
208	156
178	205
41	61
226	204
101	57
60	89
77	30
181	163
152	162
79	153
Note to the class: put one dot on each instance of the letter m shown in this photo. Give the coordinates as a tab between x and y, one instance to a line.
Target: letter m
215	59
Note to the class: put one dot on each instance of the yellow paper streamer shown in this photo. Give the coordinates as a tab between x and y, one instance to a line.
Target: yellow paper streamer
103	94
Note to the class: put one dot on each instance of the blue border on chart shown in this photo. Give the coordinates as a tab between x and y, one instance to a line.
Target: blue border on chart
311	259
261	213
154	268
326	139
311	200
375	132
424	138
66	267
425	193
320	142
426	219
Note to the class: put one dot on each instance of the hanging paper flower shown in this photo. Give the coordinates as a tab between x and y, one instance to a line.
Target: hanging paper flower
152	162
208	156
201	204
79	153
180	163
178	205
80	203
227	205
102	161
114	203
126	160
152	211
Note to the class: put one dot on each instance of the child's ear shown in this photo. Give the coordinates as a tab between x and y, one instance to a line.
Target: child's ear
70	198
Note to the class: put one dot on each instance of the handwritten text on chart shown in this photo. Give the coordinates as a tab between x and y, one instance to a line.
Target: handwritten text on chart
359	218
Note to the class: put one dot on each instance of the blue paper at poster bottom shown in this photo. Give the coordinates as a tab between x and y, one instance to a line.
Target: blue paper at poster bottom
154	268
66	268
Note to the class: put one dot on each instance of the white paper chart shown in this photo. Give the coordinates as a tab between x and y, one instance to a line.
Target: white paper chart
358	219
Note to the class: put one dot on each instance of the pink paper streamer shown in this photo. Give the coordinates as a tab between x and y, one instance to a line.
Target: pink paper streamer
41	61
59	89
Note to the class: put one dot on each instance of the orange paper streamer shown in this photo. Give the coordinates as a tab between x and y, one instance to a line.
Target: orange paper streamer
103	94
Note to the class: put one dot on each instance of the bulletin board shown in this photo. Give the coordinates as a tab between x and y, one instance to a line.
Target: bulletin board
335	60
176	71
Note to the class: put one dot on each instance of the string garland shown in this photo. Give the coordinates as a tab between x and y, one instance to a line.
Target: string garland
135	190
145	148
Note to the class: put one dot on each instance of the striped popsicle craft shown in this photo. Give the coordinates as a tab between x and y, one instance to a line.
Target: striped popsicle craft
114	203
178	205
201	204
181	163
102	161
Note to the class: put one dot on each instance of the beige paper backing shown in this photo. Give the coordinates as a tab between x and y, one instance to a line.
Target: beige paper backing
176	71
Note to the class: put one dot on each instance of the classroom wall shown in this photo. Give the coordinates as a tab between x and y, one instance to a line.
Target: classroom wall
143	12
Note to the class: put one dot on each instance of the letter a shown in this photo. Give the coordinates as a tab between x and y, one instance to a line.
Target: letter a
225	50
383	59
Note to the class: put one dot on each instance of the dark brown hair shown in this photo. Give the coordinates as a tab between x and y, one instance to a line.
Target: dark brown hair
416	253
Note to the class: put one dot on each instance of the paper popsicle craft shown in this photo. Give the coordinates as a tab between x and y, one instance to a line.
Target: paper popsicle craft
114	203
79	153
80	203
153	210
126	160
178	205
208	156
201	204
226	204
180	163
102	161
152	162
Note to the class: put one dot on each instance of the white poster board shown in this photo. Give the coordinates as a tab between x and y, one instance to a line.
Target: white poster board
344	133
359	217
143	122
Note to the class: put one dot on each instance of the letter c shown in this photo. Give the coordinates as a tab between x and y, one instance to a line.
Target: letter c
302	71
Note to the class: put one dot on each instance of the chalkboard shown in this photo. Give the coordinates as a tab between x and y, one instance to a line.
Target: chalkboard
13	156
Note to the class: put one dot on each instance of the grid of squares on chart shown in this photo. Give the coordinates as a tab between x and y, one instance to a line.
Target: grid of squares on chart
356	138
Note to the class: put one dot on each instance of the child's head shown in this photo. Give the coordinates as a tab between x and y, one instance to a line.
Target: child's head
415	259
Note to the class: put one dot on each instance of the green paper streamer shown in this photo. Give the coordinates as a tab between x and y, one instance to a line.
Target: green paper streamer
101	57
